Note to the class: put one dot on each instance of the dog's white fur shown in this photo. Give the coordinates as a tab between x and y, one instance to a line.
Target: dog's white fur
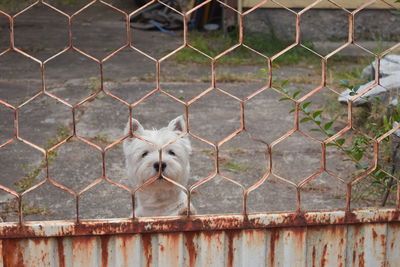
160	198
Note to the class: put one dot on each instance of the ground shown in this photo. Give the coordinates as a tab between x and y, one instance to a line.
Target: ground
129	76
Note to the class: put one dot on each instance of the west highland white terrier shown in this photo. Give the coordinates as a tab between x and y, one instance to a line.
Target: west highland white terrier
142	160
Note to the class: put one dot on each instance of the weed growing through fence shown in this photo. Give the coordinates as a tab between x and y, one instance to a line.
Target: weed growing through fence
33	172
376	119
102	138
27	209
235	167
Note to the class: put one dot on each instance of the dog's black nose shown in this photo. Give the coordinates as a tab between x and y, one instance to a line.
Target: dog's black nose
157	166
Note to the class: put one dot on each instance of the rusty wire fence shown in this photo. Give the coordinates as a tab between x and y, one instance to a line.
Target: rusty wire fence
297	102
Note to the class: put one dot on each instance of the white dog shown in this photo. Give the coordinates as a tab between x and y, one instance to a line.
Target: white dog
142	160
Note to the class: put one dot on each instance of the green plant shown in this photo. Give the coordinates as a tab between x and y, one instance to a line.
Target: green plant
12	5
215	43
33	172
398	10
27	208
102	138
382	181
235	167
93	84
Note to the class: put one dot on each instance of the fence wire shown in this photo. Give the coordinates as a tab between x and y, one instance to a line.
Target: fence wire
245	103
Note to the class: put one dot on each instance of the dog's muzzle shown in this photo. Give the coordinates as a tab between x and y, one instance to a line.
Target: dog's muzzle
156	166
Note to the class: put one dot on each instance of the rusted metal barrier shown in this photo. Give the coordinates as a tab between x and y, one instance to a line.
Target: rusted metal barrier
362	238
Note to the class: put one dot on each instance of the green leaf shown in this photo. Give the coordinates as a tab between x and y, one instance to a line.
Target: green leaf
263	70
296	93
341	141
385	120
331	144
345	83
328	125
305	105
330	132
362	165
358	155
316	130
317	113
284	99
304	119
292	110
284	83
379	174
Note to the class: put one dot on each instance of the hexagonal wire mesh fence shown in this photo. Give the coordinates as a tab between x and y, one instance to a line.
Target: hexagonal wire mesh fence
298	100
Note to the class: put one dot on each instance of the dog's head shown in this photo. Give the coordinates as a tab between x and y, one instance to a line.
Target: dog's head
143	160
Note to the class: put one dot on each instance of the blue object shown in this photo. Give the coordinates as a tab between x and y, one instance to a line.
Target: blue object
161	28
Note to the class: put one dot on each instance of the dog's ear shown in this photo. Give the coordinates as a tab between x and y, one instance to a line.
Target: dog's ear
177	124
137	128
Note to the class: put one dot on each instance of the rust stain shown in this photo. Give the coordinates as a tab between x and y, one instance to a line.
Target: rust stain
12	253
172	249
340	255
104	250
39	241
83	248
361	262
374	235
231	234
357	229
45	256
147	248
298	236
60	251
333	233
314	252
323	258
190	245
255	237
274	240
383	240
124	249
212	237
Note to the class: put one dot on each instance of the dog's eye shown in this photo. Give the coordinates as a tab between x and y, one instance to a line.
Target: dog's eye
172	153
145	154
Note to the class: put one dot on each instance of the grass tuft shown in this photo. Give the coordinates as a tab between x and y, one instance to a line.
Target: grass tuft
215	43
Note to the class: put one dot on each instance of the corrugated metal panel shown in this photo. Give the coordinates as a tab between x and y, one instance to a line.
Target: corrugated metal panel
357	244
